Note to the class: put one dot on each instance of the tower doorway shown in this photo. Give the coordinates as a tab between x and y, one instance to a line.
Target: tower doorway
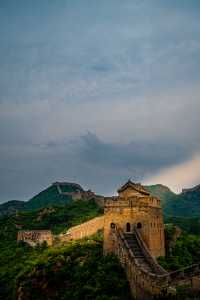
128	227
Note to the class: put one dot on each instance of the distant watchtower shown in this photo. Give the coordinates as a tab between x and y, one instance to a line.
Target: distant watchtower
135	208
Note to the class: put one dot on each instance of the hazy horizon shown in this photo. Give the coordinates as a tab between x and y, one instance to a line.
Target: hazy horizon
97	92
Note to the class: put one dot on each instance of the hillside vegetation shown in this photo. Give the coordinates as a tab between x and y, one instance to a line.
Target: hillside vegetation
14	258
77	271
184	252
11	207
46	198
186	204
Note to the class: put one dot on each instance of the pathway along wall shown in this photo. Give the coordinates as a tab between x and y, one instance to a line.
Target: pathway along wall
143	284
83	230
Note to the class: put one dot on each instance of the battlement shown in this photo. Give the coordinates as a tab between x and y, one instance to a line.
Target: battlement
132	201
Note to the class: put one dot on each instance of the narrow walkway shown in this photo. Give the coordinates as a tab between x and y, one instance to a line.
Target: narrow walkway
137	251
144	259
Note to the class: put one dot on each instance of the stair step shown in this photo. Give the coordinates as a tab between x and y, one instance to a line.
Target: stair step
137	251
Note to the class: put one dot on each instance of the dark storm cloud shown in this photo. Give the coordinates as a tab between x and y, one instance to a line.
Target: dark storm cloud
126	71
141	156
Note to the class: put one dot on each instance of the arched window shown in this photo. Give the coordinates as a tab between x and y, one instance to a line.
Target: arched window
139	225
112	225
128	227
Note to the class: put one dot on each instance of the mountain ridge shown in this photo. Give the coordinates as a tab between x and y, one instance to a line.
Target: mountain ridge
186	204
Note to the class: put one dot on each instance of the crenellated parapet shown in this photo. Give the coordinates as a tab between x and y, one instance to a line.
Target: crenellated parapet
146	278
152	202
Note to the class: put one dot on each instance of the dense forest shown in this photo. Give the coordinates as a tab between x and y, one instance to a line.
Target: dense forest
181	252
74	271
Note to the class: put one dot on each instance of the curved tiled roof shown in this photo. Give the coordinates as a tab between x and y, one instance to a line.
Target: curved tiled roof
136	186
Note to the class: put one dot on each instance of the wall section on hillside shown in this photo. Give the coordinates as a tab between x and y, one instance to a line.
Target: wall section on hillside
34	237
83	230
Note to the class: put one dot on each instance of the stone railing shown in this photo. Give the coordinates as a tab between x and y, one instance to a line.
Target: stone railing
151	260
184	273
144	284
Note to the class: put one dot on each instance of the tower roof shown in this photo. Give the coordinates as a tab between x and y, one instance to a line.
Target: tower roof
136	186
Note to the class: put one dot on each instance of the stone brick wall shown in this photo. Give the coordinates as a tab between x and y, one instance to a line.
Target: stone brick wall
34	237
83	230
80	194
136	211
143	284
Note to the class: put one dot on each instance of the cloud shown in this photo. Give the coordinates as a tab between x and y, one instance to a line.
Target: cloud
143	156
179	176
126	73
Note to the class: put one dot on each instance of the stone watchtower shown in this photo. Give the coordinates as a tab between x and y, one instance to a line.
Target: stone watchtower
135	208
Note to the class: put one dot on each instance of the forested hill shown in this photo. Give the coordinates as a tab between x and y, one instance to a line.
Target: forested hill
186	204
46	198
77	270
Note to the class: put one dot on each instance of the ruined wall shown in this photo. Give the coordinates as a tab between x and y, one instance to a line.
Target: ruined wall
34	237
83	230
80	194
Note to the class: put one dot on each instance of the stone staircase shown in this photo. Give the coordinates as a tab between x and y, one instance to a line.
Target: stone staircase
144	259
138	252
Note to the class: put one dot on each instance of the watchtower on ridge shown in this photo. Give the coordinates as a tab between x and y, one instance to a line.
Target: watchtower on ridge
134	208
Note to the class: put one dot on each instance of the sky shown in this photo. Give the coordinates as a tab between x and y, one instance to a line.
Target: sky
97	92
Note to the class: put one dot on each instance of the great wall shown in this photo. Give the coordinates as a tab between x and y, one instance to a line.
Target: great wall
78	192
133	229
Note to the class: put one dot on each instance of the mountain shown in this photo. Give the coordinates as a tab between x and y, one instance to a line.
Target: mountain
48	197
185	204
162	192
11	207
58	194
